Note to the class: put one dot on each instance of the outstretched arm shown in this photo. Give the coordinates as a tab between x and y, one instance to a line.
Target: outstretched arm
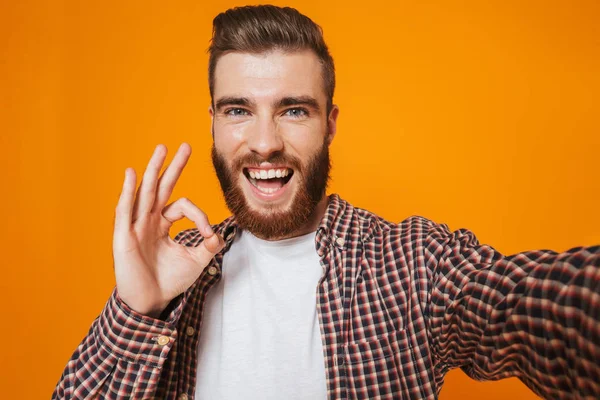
534	315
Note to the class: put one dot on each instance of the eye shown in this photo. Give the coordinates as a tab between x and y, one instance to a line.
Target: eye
236	112
297	112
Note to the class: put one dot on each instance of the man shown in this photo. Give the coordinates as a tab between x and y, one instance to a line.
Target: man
303	296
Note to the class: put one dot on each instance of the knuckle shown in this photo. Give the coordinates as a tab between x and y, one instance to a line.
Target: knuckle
189	203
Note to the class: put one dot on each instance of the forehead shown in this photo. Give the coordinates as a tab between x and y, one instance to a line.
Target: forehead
269	75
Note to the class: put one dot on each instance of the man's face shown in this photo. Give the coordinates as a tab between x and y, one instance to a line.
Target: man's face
271	138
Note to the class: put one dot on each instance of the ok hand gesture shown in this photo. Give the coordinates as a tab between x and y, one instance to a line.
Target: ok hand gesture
150	268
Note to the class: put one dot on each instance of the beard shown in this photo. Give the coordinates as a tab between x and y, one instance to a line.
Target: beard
272	222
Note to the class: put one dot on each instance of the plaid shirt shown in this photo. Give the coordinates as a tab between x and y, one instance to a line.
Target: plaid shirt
398	304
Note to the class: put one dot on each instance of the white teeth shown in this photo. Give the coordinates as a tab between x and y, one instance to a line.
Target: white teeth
267	190
262	189
255	176
269	174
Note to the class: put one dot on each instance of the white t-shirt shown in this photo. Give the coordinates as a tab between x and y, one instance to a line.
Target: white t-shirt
260	335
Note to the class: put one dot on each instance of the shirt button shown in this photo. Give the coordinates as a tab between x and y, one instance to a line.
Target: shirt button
162	340
190	331
212	271
340	241
340	360
183	396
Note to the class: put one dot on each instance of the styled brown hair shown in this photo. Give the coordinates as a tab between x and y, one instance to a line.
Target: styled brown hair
263	28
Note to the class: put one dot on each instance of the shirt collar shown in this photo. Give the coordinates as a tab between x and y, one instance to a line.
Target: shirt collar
336	227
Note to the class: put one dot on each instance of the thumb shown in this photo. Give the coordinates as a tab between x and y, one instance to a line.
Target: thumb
209	247
214	243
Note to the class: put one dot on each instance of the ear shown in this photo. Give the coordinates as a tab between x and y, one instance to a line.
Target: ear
211	112
332	123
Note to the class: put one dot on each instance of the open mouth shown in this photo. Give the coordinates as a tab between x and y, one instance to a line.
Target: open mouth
268	181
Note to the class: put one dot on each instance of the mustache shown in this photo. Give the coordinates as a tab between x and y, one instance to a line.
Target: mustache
254	160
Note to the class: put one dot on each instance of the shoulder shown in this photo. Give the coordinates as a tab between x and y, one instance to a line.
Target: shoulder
415	225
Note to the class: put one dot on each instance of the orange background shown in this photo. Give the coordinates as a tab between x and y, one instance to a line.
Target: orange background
482	115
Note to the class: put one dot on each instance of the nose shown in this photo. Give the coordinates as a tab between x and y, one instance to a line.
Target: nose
264	138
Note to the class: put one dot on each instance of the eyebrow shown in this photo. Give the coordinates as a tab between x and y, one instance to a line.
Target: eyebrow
232	101
307	101
298	101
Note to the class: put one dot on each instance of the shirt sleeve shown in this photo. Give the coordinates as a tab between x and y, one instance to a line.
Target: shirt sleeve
123	353
121	357
533	315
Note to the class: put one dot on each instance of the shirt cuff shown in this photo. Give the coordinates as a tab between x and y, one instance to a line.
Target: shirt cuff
135	337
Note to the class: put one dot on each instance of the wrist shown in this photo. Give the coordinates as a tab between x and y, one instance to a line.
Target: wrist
148	309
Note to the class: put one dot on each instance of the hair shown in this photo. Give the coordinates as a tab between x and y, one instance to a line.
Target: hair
264	28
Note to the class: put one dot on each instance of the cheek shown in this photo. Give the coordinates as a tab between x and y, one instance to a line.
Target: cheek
229	137
303	139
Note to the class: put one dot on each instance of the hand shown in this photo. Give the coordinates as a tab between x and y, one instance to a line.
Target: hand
150	268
